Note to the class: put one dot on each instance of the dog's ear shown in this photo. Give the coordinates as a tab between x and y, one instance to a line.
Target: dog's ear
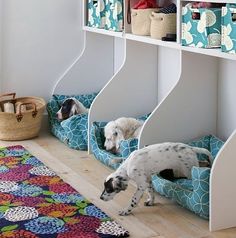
74	109
120	183
119	136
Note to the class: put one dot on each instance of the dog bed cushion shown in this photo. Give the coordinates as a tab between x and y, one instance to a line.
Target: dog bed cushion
97	142
74	130
192	194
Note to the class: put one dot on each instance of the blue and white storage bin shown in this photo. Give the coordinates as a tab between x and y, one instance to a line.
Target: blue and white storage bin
96	13
203	31
228	40
114	15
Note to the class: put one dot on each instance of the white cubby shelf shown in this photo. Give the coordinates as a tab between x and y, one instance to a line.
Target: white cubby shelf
190	92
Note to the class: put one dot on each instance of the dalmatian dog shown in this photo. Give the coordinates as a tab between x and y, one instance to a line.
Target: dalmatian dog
121	129
151	160
70	107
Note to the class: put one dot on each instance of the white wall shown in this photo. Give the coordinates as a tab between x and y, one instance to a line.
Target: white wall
40	39
227	98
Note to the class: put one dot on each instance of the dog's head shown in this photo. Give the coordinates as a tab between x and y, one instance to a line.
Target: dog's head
112	186
113	135
70	107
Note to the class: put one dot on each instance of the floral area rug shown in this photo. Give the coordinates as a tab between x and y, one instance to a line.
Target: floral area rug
35	202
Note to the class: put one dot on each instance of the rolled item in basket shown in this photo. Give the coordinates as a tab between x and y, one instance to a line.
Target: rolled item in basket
23	107
9	107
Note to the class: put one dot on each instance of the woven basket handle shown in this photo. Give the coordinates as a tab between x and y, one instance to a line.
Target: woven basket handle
19	115
8	95
154	16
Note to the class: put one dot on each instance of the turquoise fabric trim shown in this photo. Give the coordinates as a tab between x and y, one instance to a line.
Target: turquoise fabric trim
73	131
203	33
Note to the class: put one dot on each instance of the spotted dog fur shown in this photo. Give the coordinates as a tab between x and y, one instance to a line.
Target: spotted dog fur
70	107
143	163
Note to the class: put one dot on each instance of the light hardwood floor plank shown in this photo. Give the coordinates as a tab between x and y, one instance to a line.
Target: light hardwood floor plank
82	171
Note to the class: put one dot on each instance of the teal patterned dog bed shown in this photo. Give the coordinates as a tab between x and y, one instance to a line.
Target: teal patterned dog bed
73	131
97	140
192	194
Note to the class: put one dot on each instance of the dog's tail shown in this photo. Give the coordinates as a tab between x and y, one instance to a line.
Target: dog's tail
205	152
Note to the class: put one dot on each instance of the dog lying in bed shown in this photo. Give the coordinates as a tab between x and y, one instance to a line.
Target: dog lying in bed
69	108
121	129
151	160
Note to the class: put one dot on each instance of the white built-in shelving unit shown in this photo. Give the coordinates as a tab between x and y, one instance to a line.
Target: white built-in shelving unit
191	92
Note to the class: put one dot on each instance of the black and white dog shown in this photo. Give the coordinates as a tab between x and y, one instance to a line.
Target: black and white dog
151	160
70	107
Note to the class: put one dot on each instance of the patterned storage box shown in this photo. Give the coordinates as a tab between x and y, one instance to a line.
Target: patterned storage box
201	27
96	13
228	28
114	15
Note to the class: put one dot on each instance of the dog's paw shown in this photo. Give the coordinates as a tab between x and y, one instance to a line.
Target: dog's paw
124	212
149	203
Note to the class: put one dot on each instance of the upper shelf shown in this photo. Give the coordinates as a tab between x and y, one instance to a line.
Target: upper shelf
174	45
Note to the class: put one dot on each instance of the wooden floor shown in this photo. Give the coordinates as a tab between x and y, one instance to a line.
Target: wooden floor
85	174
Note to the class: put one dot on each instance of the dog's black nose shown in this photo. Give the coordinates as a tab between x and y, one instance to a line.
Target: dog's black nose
101	197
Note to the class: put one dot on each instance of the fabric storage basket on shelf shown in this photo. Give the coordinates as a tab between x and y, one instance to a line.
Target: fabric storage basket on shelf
24	124
114	15
96	13
201	27
162	24
140	21
228	40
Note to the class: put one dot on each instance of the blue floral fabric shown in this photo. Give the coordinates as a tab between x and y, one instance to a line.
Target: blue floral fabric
74	130
204	32
97	140
96	13
114	15
228	43
192	194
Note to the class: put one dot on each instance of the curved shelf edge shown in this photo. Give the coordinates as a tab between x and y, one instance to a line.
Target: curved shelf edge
222	187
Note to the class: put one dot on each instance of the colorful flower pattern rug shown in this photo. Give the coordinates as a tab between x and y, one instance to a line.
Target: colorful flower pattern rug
35	203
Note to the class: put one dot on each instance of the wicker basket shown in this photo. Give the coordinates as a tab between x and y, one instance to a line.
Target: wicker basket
21	125
140	21
162	24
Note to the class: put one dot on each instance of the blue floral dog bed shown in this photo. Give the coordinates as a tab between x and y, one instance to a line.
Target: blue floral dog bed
97	140
74	130
192	194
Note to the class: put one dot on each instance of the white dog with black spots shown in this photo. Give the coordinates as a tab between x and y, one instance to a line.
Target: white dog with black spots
151	160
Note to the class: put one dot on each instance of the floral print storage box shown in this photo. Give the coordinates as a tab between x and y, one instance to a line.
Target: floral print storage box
96	13
201	27
114	15
228	43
